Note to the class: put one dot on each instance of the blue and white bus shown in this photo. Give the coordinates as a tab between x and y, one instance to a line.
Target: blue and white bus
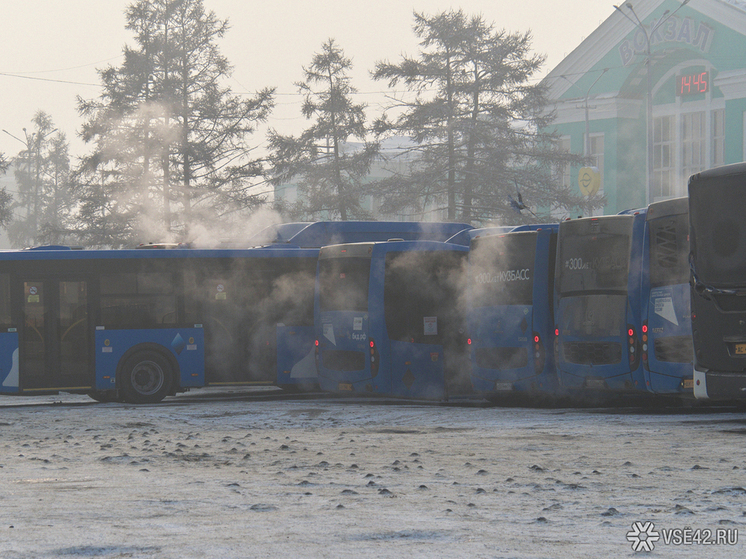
388	319
510	318
717	198
598	303
296	338
99	321
138	325
666	309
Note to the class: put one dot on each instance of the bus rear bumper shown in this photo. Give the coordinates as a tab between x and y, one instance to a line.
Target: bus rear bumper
700	385
585	382
716	385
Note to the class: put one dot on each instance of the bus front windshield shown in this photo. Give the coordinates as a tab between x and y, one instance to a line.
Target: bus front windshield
501	269
594	259
718	230
343	284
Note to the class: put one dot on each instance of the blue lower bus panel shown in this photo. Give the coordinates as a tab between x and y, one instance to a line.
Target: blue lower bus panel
417	370
508	354
668	355
9	377
186	346
296	363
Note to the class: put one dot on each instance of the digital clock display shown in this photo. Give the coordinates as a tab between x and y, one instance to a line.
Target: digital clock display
691	84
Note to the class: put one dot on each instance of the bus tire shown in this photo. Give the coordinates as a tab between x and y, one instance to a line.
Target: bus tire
145	377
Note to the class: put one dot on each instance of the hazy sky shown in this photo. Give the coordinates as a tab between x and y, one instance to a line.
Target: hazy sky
51	49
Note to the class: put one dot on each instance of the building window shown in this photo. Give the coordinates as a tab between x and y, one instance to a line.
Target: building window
663	158
597	155
693	143
718	137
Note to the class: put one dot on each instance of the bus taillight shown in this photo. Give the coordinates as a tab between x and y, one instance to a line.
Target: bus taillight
633	348
645	344
374	358
556	346
539	354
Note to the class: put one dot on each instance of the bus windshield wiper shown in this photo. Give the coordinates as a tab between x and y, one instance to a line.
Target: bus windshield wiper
708	291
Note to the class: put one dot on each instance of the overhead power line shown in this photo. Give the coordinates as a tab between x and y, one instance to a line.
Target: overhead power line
47	79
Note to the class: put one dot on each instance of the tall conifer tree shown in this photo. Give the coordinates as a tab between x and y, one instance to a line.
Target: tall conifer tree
479	125
329	170
170	141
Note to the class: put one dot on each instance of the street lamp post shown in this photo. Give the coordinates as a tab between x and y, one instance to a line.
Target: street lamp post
36	139
27	144
649	94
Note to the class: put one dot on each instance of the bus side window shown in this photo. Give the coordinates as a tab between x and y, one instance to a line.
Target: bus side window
138	300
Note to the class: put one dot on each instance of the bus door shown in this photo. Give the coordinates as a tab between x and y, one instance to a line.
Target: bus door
54	334
9	381
223	311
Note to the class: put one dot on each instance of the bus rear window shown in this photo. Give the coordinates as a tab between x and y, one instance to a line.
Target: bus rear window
343	284
669	250
419	295
501	269
594	262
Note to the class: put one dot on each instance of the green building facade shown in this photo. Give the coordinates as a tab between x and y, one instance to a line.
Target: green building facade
655	94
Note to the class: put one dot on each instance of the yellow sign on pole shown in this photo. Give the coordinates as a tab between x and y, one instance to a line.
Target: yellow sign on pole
589	180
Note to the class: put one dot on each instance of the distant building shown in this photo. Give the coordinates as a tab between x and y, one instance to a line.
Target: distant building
687	57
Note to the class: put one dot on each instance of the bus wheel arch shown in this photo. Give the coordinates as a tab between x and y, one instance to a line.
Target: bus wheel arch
146	374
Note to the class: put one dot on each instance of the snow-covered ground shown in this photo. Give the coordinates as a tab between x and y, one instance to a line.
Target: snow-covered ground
339	478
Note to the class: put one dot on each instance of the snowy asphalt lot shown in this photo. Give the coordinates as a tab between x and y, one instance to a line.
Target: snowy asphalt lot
234	476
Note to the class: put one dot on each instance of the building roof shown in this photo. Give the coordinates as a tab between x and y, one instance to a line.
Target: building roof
606	38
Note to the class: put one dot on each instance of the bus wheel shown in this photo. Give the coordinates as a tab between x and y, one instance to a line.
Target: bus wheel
146	378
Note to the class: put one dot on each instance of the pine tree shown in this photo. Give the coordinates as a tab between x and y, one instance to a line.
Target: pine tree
170	142
480	127
56	226
329	169
6	199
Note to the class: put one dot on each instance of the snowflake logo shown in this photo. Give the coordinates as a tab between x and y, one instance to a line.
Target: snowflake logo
643	536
